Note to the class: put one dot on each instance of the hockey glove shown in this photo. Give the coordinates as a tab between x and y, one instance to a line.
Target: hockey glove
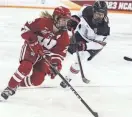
57	65
81	46
32	41
36	47
72	23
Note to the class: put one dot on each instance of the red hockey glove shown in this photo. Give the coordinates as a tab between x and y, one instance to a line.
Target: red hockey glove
57	64
36	47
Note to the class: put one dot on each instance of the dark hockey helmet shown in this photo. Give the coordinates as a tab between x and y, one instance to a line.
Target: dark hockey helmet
100	6
100	10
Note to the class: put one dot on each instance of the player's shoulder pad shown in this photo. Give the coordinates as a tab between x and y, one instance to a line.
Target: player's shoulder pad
87	11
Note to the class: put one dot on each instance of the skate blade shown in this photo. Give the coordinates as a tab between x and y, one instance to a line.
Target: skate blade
2	99
86	80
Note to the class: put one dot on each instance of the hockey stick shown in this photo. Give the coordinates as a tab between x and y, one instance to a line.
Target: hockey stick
127	58
81	69
84	79
95	114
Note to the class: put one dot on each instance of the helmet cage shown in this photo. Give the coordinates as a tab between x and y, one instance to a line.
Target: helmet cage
99	11
61	15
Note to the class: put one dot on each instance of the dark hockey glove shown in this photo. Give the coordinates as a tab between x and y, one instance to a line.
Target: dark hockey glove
80	46
72	23
72	48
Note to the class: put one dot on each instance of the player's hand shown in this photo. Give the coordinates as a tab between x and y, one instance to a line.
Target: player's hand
36	47
57	65
80	46
72	23
72	48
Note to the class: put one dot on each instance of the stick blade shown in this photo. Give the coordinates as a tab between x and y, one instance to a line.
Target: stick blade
96	114
127	58
85	80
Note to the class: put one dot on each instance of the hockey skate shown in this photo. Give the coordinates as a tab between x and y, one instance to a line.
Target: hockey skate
63	84
8	92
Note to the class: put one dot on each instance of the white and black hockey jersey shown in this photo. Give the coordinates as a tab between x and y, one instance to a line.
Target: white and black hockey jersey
86	29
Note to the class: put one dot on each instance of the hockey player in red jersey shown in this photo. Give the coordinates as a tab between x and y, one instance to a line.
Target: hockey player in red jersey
47	35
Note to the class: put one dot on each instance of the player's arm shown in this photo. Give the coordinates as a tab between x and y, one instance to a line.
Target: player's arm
29	35
56	60
105	28
28	31
84	34
59	54
72	23
80	13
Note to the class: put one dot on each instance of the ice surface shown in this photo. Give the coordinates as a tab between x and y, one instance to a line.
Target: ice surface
110	90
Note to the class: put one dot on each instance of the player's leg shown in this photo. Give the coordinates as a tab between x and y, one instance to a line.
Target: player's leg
74	68
27	59
40	69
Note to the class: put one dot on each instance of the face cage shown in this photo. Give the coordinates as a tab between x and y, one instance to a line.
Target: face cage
61	23
98	17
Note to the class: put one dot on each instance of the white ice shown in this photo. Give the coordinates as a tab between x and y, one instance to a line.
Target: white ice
110	90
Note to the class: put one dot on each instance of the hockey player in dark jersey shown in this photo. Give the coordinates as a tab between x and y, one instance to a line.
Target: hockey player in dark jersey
90	27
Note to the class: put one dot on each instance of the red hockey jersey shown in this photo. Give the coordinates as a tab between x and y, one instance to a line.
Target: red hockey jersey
42	30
